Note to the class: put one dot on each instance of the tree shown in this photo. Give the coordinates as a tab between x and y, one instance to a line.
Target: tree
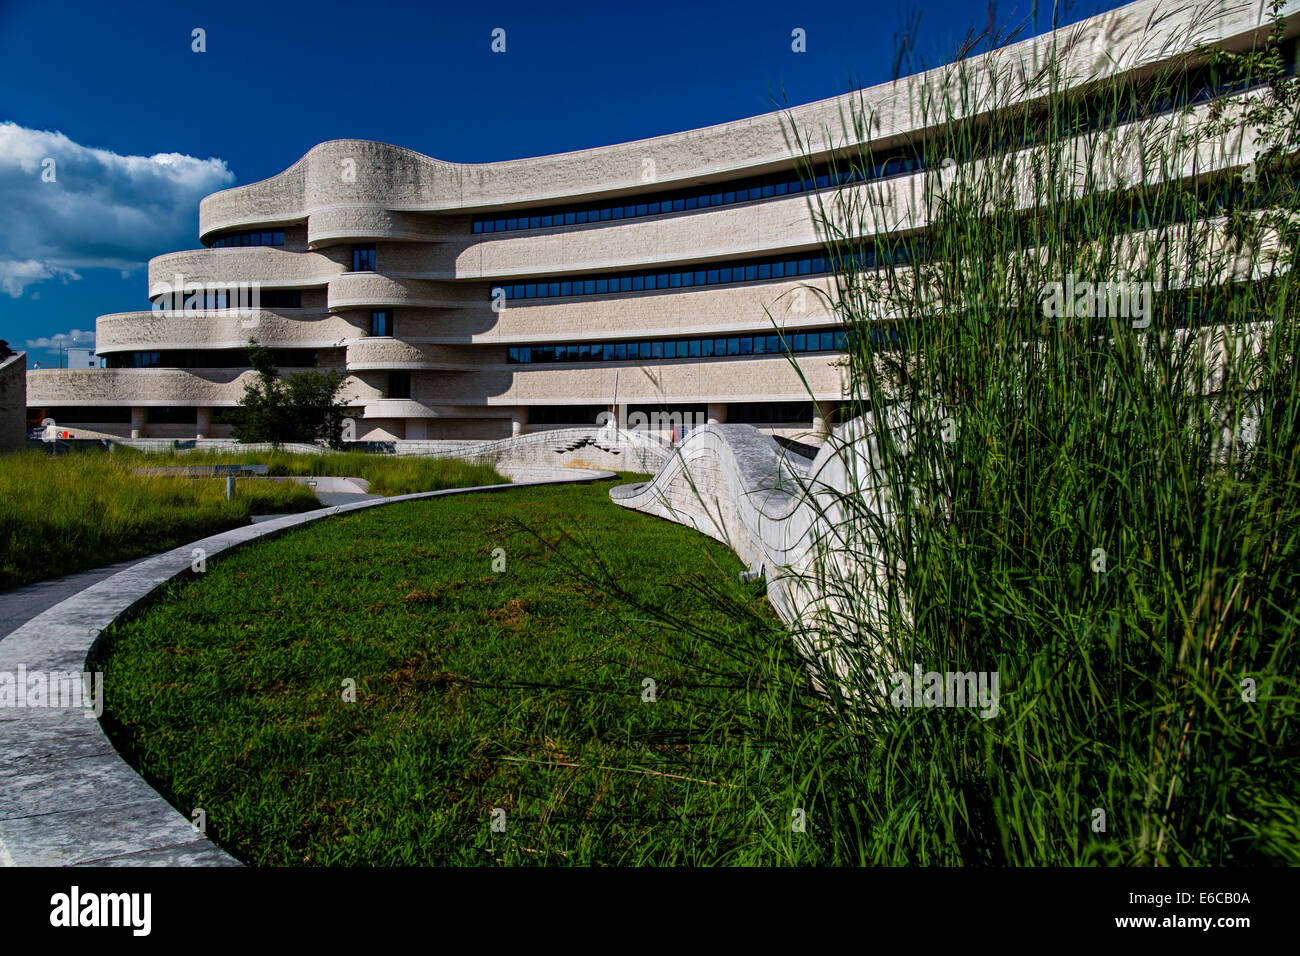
303	407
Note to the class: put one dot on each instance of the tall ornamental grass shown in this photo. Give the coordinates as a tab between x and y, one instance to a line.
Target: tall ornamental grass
1101	508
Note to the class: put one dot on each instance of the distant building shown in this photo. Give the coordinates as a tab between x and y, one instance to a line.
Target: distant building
82	358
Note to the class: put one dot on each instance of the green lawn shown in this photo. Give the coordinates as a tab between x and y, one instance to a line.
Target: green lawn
387	474
520	691
86	509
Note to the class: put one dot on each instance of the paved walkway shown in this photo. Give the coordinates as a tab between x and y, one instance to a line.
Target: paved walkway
20	605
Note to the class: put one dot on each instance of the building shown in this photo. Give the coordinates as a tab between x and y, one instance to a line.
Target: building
675	274
81	358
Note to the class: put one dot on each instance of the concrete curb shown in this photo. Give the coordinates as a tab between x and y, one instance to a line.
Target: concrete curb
66	797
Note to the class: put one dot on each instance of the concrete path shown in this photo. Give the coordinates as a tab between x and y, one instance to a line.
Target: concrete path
20	605
66	796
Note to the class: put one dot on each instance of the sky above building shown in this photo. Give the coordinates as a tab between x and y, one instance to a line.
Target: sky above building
113	125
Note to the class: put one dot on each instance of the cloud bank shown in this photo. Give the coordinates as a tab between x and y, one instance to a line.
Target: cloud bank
69	207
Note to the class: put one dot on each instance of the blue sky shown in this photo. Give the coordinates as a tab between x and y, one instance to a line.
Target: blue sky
123	87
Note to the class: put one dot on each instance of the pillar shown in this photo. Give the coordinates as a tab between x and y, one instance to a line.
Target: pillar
823	419
139	416
204	426
717	413
518	421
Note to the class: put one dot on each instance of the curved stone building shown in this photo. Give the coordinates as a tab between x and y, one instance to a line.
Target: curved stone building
673	274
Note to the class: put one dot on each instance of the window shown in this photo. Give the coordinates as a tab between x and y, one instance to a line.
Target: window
399	385
281	298
363	258
818	340
208	358
381	322
565	414
261	238
173	416
770	413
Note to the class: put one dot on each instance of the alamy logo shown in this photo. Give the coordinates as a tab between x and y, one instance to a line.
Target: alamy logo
974	689
1099	300
74	908
243	298
59	689
679	422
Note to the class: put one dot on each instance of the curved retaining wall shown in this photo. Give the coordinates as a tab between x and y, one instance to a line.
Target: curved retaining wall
811	524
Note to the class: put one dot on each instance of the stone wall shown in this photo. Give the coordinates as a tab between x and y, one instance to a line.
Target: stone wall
809	524
13	402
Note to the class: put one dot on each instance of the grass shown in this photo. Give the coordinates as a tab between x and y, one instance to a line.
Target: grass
84	510
522	691
388	475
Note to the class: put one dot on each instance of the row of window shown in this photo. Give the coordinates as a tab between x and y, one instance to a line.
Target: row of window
1133	213
752	270
208	358
829	340
1097	111
274	237
242	299
81	414
1180	308
722	194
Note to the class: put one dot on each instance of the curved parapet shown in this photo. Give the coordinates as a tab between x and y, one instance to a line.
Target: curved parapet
365	290
270	267
558	451
224	329
378	352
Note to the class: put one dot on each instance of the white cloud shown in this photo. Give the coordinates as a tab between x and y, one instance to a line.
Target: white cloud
15	274
102	210
77	338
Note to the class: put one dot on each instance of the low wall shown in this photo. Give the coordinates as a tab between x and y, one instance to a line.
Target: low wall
589	447
811	525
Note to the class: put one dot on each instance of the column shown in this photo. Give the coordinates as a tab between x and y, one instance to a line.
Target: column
204	427
823	419
138	419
